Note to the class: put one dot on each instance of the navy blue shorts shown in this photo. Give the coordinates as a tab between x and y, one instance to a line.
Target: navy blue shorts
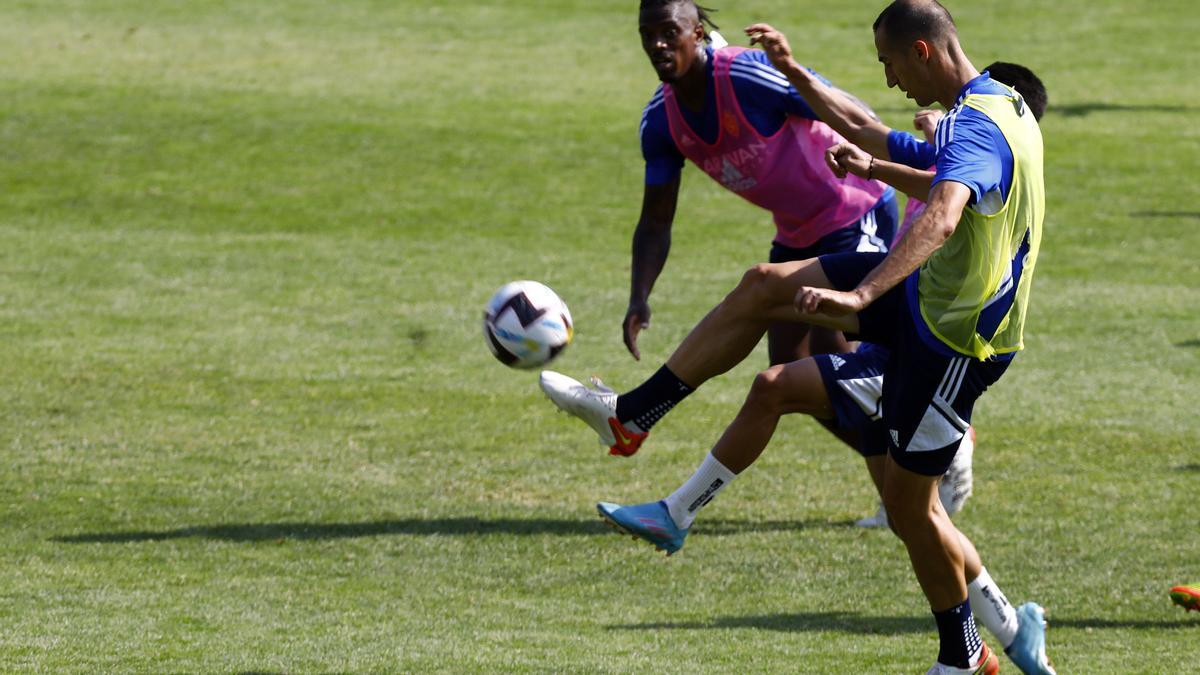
871	233
854	384
926	396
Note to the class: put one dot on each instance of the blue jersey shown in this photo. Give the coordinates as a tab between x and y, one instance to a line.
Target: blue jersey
763	93
968	148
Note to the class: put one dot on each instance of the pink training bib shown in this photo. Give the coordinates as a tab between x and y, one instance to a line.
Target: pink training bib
784	173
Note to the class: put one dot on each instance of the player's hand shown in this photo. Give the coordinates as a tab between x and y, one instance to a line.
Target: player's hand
637	319
846	158
774	43
827	301
926	122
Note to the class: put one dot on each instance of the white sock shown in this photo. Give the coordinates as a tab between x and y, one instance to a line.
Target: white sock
992	608
709	479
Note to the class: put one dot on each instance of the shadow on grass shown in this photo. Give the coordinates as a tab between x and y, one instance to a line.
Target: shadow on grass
847	622
454	527
815	622
1194	342
1181	621
1084	109
1195	215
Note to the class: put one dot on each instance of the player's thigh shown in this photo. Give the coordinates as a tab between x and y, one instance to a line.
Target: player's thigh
796	387
907	493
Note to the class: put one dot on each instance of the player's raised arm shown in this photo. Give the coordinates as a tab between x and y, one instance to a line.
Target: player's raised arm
834	107
651	245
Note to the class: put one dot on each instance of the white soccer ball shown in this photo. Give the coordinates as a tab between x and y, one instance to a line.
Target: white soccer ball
526	324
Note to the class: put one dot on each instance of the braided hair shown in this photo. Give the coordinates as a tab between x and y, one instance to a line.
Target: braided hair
703	12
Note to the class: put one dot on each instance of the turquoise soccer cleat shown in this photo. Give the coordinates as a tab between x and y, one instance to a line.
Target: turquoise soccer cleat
1028	649
650	521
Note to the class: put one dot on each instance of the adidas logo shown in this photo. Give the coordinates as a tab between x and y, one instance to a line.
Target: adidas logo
733	179
837	361
895	437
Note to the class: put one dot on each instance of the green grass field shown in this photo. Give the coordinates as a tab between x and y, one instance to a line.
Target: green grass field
249	422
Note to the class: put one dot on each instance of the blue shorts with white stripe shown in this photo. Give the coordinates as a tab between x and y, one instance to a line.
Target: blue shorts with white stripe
927	396
873	232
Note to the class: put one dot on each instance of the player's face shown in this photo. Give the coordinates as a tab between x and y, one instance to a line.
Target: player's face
672	37
904	69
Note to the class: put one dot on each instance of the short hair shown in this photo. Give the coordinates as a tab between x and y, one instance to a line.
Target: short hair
1024	81
702	12
911	20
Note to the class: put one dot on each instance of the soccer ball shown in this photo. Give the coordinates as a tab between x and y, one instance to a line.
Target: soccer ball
526	324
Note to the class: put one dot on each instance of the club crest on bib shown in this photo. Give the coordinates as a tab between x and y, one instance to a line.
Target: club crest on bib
730	122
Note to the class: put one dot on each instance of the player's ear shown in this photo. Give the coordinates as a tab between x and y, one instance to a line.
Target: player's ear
921	50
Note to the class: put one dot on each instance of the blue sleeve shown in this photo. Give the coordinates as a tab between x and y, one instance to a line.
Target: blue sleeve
759	86
975	154
663	160
904	148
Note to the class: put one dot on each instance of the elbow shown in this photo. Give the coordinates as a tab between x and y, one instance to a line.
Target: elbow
856	131
944	230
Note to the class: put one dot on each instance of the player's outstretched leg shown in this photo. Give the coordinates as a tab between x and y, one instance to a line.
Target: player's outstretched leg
720	341
779	390
596	406
622	421
1187	597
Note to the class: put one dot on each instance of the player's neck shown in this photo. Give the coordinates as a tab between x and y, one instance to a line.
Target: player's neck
956	72
691	87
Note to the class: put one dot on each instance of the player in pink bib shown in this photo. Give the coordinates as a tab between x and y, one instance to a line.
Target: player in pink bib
740	121
784	173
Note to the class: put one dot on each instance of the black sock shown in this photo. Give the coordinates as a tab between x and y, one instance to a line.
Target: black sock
654	398
959	638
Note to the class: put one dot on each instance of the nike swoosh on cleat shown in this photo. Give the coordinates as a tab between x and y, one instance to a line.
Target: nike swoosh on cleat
627	442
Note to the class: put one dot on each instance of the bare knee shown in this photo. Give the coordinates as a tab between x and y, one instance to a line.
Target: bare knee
907	511
768	391
753	289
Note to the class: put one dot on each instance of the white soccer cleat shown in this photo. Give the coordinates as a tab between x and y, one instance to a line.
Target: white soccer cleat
956	486
594	406
877	520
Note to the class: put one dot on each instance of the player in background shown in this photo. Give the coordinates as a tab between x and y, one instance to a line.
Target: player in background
1187	597
949	300
733	115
